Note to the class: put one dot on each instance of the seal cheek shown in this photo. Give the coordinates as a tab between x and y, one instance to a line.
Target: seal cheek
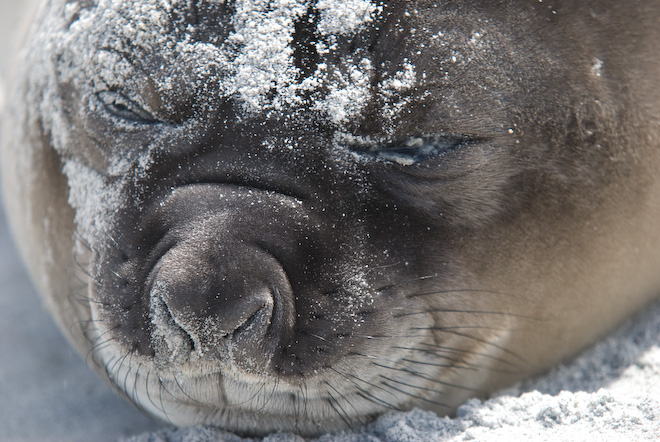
221	298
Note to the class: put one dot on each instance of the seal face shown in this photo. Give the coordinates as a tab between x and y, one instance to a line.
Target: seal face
296	215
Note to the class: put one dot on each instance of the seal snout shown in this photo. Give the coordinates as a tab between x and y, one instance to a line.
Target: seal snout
218	294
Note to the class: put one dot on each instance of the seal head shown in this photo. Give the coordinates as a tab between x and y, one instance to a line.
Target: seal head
297	215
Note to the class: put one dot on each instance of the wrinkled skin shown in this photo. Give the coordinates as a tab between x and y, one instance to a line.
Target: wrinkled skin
270	270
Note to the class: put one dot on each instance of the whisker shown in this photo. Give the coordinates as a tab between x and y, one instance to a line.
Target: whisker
455	364
419	278
357	413
375	400
76	275
348	375
451	330
116	368
460	327
85	300
303	397
362	392
84	326
98	345
134	395
331	400
441	349
160	399
270	397
85	270
146	387
427	378
421	398
178	384
162	385
463	291
79	238
474	312
106	367
261	387
112	240
125	383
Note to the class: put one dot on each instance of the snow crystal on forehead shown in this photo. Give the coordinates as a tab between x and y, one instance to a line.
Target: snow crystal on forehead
111	21
341	17
263	30
393	88
257	58
257	55
348	93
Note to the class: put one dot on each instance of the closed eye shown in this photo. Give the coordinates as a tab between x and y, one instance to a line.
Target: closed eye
123	107
407	151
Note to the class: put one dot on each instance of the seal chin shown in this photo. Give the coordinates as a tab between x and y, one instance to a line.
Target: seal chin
249	405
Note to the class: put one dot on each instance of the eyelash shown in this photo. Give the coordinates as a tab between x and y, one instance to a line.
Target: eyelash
124	108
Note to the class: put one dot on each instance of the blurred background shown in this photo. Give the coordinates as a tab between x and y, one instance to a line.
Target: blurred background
47	393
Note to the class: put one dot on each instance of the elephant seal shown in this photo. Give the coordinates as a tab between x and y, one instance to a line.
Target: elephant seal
295	215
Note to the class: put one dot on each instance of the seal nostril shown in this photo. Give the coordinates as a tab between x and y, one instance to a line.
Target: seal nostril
259	319
171	342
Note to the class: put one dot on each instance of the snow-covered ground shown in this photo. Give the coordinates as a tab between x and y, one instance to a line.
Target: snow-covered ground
611	392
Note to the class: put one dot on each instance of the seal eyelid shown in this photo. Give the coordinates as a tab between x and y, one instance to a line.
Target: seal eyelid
123	107
414	149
